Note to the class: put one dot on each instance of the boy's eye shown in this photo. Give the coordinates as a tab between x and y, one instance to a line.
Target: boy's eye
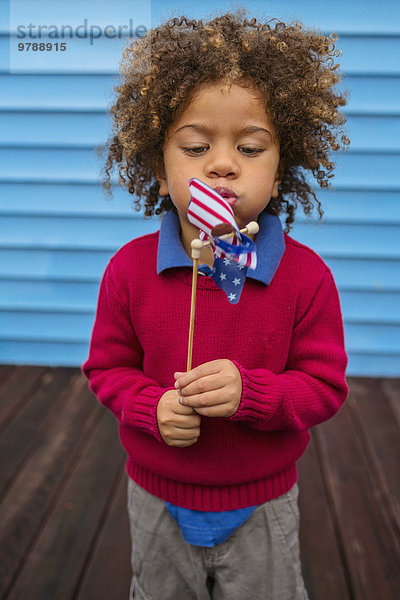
250	150
195	150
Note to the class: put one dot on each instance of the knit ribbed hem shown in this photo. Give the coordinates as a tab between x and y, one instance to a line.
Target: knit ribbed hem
259	399
213	498
143	412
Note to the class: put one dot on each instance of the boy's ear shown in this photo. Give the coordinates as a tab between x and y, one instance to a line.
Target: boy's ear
161	178
278	180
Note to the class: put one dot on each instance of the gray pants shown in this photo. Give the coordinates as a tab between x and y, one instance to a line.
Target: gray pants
259	561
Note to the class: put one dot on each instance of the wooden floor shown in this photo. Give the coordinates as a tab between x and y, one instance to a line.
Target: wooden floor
63	525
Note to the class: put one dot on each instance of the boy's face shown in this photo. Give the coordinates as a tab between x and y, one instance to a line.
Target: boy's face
225	138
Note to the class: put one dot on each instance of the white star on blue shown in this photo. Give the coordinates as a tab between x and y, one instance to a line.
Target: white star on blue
226	277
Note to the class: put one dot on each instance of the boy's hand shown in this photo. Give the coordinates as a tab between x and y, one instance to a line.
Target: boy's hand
213	389
179	425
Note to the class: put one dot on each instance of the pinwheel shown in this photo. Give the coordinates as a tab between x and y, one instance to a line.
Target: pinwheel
233	251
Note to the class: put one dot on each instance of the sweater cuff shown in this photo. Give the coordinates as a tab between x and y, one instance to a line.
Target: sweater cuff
142	411
256	404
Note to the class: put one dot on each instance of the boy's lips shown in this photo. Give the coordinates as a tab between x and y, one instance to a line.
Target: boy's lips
228	194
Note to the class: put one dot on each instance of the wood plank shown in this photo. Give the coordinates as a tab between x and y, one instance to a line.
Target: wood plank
5	372
56	542
391	389
324	573
367	540
16	390
100	580
27	502
381	441
53	567
26	429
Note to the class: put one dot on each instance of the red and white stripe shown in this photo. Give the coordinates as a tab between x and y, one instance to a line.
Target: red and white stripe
207	208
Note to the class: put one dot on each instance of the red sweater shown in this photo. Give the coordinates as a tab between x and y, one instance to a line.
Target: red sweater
285	338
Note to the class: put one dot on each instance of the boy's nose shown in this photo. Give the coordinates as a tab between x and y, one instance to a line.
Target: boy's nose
222	164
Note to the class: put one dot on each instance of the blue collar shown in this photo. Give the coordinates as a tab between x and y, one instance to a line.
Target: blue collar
269	242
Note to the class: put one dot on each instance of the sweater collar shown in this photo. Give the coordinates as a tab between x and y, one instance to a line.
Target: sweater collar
269	242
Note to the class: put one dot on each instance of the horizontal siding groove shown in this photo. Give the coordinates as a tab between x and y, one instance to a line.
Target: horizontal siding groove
312	220
51	246
351	71
33	278
96	278
109	248
77	110
39	278
135	216
55	110
364	352
88	310
349	32
61	335
356	112
353	350
138	217
65	310
383	151
393	35
45	146
391	256
358	186
47	340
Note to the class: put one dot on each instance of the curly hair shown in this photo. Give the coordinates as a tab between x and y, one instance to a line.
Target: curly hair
293	68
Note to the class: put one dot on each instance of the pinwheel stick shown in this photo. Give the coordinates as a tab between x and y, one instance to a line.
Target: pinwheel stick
197	246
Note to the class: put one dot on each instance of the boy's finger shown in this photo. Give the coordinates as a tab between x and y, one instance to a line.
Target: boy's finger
191	421
218	410
184	433
181	443
183	379
179	374
181	410
208	383
204	400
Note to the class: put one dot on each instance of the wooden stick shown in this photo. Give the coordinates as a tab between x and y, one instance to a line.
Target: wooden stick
197	246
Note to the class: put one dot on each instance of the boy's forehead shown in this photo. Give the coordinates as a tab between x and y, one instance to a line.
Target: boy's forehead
215	97
240	107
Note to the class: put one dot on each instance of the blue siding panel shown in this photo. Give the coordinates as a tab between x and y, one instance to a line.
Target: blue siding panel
30	199
30	352
52	264
377	94
57	93
85	130
57	230
69	232
78	165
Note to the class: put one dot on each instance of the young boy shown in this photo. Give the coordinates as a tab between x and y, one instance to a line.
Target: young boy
246	108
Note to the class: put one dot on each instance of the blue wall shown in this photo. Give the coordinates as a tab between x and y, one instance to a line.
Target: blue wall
57	230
